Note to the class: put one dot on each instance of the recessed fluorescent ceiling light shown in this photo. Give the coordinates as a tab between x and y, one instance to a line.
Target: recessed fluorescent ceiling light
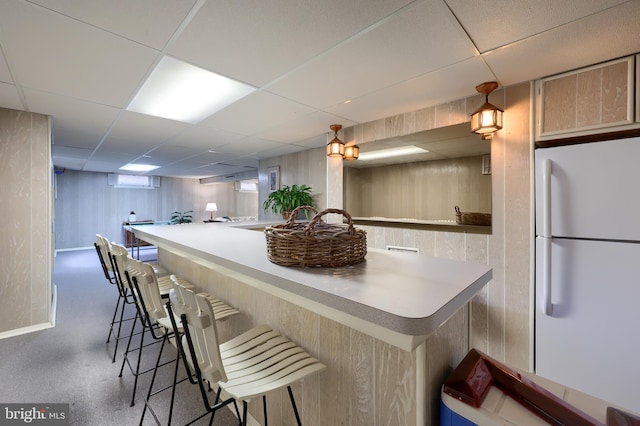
390	152
180	91
139	167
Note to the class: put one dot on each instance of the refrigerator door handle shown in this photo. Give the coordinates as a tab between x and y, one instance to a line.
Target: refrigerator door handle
546	276
547	236
546	198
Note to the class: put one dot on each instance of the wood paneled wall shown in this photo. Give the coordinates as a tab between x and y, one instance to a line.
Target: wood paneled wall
427	190
597	96
26	209
306	167
86	205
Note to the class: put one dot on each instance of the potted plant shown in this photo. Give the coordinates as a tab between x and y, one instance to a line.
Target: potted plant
181	217
287	198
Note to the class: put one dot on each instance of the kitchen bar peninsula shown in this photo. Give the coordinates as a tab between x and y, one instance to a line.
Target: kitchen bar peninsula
377	325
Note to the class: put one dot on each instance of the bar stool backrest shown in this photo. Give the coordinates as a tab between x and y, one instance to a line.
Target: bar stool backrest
134	272
120	257
103	246
148	286
202	341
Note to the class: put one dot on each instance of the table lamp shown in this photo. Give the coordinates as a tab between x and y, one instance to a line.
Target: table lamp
211	207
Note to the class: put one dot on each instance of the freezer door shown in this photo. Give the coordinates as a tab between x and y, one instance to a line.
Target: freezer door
594	190
591	340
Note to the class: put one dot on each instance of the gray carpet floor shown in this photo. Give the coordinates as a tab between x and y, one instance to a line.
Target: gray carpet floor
71	362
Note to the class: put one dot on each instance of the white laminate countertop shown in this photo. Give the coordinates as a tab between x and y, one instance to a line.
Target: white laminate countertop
403	292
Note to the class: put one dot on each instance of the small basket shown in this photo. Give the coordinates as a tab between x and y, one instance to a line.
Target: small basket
316	244
472	218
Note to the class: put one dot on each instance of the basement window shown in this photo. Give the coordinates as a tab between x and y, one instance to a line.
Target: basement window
247	186
133	181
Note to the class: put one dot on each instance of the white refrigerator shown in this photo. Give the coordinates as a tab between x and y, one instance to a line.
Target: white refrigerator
587	316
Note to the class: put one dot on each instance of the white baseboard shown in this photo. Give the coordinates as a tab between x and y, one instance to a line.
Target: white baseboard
37	327
75	249
25	330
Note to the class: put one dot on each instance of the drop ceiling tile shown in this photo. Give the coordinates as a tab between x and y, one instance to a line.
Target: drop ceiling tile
119	158
75	123
420	92
216	157
279	150
300	128
5	75
138	134
571	46
127	146
249	162
167	153
210	159
248	145
186	164
64	162
495	23
149	22
103	166
145	128
255	42
419	39
205	138
69	158
9	97
108	162
256	113
220	169
317	141
194	169
180	173
80	60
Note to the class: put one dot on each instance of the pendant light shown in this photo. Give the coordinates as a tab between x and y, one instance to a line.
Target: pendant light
335	148
488	118
351	152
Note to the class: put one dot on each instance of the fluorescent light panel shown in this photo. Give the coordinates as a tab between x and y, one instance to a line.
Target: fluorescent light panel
390	152
139	167
183	92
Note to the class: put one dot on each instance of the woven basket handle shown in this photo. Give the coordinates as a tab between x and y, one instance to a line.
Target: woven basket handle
310	227
294	214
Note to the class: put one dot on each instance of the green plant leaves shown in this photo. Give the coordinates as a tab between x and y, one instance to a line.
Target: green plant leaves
288	198
181	217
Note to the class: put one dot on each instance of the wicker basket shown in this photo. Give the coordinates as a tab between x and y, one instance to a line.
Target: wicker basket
470	218
316	243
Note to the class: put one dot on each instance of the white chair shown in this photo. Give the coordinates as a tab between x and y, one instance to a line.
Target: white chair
246	367
105	253
157	319
127	267
220	309
120	264
146	294
103	249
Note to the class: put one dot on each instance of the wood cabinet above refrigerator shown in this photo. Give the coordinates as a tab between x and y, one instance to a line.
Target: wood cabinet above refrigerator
589	101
